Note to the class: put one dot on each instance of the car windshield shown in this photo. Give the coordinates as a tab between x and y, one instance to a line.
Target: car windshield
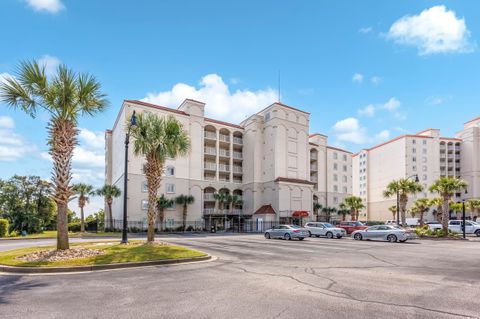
328	225
358	224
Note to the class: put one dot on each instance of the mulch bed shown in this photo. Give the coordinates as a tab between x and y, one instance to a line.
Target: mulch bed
59	255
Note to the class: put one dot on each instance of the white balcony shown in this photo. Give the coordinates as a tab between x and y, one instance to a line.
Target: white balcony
208	211
313	156
237	155
313	179
224	168
210	150
209	178
237	169
238	180
224	153
237	212
209	197
224	138
313	168
224	179
210	166
210	135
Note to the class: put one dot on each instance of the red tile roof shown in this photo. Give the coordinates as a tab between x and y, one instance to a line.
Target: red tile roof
290	107
339	149
475	119
223	123
294	180
451	138
428	129
158	107
265	209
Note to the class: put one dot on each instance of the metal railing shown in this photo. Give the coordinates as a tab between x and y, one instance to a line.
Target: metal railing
210	135
210	150
237	140
224	168
237	169
224	153
237	155
224	138
209	197
210	166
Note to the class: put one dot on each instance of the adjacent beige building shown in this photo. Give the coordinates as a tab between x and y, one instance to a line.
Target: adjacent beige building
426	154
269	160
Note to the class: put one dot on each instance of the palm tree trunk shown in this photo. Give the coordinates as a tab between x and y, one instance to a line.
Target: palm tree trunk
110	216
446	213
82	221
161	218
153	170
184	216
403	209
421	218
62	140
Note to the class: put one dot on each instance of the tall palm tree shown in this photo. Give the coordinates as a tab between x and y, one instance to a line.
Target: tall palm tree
404	187
437	202
222	199
109	192
343	211
64	96
328	212
446	187
184	200
355	204
421	206
162	204
457	208
473	205
316	207
393	210
234	201
157	138
83	191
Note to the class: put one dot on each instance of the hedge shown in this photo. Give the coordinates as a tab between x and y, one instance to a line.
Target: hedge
3	227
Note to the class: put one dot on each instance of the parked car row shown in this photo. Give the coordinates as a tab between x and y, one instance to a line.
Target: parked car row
456	226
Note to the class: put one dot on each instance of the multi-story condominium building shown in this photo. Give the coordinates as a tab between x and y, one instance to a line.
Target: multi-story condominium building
425	154
269	160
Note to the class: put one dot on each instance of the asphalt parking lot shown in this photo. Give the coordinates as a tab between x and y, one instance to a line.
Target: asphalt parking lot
252	277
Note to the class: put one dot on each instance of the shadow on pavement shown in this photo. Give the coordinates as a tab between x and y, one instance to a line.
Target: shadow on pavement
9	285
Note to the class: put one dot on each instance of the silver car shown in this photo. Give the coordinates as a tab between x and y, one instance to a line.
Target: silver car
382	232
286	232
324	229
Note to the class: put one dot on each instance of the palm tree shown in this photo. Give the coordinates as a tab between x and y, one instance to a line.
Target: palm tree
438	203
343	211
446	187
403	187
184	200
84	191
355	204
328	212
162	204
473	205
393	210
222	199
109	192
316	207
64	96
421	206
157	138
457	208
234	201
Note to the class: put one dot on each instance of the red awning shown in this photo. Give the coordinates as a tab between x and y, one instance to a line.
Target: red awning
265	209
300	213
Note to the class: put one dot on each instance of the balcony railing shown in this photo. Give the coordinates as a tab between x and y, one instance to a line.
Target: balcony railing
238	180
313	168
237	169
209	178
210	135
237	155
208	211
209	197
224	153
313	156
224	168
224	179
210	150
237	140
313	179
210	166
224	138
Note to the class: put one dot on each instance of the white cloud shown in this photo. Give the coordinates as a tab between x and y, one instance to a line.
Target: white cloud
221	103
12	146
437	100
368	110
376	80
357	77
349	130
392	104
365	30
51	64
434	30
51	6
91	139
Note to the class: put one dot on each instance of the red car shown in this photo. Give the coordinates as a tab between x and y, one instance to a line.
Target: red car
351	226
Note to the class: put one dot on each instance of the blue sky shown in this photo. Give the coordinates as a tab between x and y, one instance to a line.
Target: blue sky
366	70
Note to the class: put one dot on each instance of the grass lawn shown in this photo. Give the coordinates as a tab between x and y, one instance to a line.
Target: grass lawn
53	234
114	253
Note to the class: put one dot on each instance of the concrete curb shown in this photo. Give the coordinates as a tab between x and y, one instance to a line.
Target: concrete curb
50	270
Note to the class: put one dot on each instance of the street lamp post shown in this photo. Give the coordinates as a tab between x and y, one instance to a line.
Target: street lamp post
463	217
133	121
398	198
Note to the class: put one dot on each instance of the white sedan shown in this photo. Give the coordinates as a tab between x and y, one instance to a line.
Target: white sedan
382	232
324	229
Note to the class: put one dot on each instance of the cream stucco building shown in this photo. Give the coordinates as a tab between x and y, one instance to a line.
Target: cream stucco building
270	160
426	154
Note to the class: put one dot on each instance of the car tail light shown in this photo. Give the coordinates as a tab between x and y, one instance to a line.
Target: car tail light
296	231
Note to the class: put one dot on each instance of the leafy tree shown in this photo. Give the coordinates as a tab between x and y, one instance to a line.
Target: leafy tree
316	207
404	187
343	211
162	204
355	204
421	206
83	191
437	202
457	208
473	205
328	212
157	138
65	96
393	210
446	187
184	200
109	192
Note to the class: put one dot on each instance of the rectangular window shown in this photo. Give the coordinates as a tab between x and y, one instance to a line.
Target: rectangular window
173	207
335	166
144	187
414	142
170	188
335	188
335	177
335	155
345	190
335	200
170	171
424	142
414	150
144	204
344	178
344	168
345	157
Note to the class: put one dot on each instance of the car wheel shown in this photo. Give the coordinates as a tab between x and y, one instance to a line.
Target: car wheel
301	238
392	238
309	234
329	235
267	235
477	232
339	236
357	236
287	237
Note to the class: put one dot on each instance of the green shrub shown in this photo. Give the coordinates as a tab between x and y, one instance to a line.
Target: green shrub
74	226
4	227
190	228
13	233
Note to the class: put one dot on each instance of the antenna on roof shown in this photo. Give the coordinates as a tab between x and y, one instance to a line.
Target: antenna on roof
279	86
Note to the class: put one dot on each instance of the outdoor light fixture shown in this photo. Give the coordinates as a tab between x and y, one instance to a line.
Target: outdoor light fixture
133	122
